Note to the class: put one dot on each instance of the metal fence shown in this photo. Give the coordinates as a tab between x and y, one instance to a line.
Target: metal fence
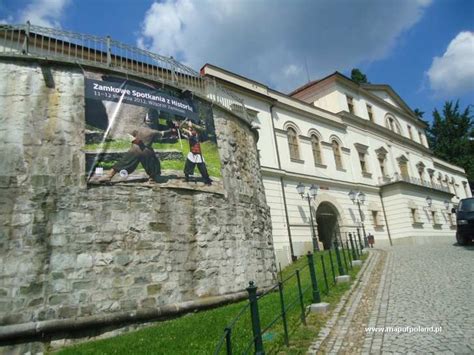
304	289
105	52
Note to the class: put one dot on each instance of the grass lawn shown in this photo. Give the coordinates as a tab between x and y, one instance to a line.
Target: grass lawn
200	332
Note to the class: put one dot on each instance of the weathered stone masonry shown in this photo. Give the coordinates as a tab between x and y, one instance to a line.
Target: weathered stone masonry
68	251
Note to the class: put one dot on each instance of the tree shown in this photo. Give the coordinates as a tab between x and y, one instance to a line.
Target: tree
418	113
449	136
358	76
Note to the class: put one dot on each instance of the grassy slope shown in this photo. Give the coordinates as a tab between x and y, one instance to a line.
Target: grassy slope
200	332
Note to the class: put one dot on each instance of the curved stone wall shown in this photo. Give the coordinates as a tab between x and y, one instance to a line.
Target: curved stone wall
69	251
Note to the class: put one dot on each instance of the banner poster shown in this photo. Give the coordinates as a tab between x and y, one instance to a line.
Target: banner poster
137	132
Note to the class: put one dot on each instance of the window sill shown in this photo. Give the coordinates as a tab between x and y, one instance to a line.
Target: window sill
367	175
299	161
453	227
341	169
437	225
417	224
320	165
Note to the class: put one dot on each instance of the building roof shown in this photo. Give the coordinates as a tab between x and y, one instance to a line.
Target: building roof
366	87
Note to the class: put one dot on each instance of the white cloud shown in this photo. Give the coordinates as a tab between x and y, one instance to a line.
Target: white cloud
453	73
47	13
4	21
269	40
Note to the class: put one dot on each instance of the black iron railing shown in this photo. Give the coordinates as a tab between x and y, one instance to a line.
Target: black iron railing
105	52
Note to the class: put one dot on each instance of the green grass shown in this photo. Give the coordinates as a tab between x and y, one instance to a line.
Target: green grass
200	332
209	152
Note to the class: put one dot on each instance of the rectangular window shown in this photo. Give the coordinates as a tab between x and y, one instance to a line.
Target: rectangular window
420	135
376	218
404	170
350	104
422	174
363	164
382	165
451	220
466	190
414	215
410	133
370	113
434	217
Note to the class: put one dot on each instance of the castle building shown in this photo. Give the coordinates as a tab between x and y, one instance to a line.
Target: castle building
365	152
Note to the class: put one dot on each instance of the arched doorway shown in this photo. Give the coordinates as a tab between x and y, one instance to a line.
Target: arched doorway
327	218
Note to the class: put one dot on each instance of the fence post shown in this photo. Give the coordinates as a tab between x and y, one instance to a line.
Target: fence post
325	276
228	344
361	246
173	70
314	281
332	266
109	52
26	41
354	256
283	312
300	292
257	331
338	258
343	253
348	254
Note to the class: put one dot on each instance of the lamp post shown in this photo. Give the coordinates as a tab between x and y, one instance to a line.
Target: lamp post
359	198
311	195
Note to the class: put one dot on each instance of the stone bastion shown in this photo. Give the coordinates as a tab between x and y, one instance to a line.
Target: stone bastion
77	257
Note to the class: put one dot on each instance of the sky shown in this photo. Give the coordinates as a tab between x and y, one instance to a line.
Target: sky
423	49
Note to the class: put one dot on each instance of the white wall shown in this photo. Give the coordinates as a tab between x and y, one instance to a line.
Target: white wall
336	184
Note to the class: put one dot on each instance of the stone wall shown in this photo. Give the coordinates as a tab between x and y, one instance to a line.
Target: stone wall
69	251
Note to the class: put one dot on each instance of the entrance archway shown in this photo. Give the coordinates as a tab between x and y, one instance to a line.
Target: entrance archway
327	218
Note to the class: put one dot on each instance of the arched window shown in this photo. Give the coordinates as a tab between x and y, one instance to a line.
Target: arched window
316	149
293	143
337	154
392	124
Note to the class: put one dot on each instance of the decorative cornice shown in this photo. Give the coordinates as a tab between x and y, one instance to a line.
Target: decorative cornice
269	171
368	125
361	147
381	152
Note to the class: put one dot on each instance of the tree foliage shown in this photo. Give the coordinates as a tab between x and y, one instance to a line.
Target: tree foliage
450	136
418	113
358	76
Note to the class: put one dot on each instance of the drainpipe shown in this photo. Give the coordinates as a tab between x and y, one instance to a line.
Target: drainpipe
385	216
293	257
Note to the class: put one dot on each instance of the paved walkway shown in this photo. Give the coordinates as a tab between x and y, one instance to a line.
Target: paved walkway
420	299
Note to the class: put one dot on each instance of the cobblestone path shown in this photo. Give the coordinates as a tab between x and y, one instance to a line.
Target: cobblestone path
419	297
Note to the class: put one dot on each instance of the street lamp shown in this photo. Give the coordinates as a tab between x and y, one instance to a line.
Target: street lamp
359	198
311	195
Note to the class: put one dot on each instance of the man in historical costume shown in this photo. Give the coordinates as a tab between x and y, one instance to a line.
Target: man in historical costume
142	152
192	132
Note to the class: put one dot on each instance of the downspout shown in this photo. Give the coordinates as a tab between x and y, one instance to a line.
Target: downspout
293	257
385	216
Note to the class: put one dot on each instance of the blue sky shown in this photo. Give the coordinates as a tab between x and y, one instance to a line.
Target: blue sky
424	49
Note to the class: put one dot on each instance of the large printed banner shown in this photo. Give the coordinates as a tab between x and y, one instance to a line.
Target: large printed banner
131	94
136	132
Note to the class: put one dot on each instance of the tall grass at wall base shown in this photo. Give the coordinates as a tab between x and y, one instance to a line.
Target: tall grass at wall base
200	332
